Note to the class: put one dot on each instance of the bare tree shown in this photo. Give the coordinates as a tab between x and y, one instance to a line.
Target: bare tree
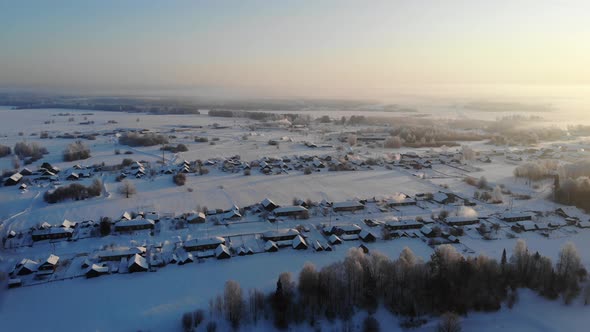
450	322
568	268
233	303
127	188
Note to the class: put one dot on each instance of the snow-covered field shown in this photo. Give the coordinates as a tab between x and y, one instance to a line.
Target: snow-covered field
154	301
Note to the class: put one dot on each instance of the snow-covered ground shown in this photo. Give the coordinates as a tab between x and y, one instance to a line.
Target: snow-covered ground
154	301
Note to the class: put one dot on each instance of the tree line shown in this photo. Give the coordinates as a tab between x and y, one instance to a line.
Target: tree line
407	287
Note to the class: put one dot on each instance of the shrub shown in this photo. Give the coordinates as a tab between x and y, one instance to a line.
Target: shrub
247	172
179	179
175	149
74	191
32	150
148	139
4	151
201	139
307	170
450	322
394	142
76	151
126	162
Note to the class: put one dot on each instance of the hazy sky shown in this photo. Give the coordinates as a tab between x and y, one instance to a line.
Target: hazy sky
293	48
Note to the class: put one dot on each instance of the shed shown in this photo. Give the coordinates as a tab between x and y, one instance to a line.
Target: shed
367	236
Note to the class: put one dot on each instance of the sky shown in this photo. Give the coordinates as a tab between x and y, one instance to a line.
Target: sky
293	48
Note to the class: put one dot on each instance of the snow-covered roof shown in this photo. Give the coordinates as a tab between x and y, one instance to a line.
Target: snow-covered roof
527	225
100	268
68	224
347	204
280	233
52	230
440	197
289	209
52	260
269	245
350	228
334	239
28	264
460	219
267	202
138	260
126	215
134	222
299	241
204	242
221	249
514	215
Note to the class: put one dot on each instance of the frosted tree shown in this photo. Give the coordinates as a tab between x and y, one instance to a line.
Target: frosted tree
233	301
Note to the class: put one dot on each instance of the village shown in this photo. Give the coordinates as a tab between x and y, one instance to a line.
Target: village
215	193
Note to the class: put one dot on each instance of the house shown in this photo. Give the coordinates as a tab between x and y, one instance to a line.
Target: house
117	255
367	236
394	225
348	206
203	244
23	186
73	177
196	218
14	282
242	251
137	263
427	231
334	239
52	234
526	225
317	246
401	200
26	172
13	179
50	263
86	263
268	205
222	252
96	270
584	224
68	224
461	221
182	257
233	214
126	215
271	246
349	229
134	224
280	235
516	216
291	211
441	198
153	216
299	243
25	267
